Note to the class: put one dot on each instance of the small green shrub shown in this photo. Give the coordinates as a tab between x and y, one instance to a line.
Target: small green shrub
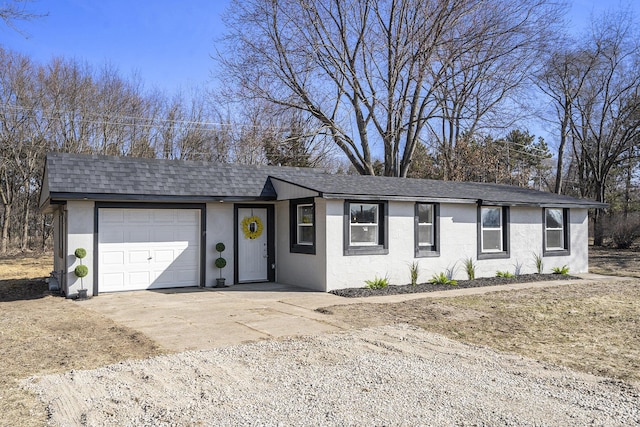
220	247
504	274
564	270
470	268
81	271
537	261
414	272
220	262
377	282
442	279
80	253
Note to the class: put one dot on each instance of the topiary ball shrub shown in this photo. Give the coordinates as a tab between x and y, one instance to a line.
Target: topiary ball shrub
220	262
81	271
220	247
80	253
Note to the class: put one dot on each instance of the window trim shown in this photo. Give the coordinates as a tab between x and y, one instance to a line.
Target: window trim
566	234
383	235
294	246
425	251
504	226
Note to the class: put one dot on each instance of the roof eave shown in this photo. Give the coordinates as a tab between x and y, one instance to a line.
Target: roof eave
61	196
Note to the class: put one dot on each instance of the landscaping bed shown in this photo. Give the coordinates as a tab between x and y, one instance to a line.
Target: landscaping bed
434	287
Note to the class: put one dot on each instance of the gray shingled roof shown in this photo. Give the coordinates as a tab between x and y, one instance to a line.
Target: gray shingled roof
347	186
94	175
72	176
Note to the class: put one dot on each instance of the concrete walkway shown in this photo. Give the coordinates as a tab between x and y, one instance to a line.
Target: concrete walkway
194	318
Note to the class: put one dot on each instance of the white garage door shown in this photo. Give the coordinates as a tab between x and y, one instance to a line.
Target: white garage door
148	248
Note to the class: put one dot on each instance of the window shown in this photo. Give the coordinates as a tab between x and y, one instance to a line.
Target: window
365	228
426	230
556	225
303	229
493	230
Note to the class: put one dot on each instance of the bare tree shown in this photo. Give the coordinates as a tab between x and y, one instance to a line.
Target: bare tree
605	117
373	73
17	10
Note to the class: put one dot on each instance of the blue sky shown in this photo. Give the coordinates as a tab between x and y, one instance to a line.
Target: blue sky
168	44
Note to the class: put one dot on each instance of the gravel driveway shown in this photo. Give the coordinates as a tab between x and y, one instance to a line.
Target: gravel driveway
390	375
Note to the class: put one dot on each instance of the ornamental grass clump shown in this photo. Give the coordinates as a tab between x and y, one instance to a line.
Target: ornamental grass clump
470	268
442	279
414	272
505	274
377	282
564	270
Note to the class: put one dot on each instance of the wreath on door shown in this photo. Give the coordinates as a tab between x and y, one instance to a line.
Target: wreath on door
252	227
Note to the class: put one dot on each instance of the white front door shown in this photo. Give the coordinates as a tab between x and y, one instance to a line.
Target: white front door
253	255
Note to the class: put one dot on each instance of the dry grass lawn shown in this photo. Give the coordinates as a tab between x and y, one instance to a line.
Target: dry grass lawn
594	327
616	262
42	334
589	327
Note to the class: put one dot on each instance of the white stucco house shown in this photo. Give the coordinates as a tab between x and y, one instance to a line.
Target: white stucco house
148	223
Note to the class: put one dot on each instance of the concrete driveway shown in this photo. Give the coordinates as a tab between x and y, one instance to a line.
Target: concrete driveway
204	318
196	318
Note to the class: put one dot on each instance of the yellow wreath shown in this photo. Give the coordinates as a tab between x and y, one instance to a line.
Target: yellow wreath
252	232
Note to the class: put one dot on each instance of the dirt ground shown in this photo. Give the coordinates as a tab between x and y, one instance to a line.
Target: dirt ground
616	262
592	328
42	334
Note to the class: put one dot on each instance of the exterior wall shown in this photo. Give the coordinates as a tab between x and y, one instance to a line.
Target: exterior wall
305	270
80	226
458	240
219	229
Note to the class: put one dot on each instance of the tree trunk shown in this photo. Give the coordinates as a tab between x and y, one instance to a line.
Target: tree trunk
25	226
5	228
563	140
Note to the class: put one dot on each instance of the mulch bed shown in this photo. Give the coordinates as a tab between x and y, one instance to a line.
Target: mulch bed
431	287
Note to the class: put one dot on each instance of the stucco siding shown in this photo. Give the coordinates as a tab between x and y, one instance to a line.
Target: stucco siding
306	270
220	228
458	240
80	231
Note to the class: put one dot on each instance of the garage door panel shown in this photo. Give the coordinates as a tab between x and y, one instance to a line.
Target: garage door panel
139	216
139	257
148	248
164	216
188	217
112	281
112	236
113	258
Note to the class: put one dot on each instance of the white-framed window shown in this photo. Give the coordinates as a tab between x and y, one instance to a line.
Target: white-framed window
491	229
305	222
555	229
364	224
302	220
426	225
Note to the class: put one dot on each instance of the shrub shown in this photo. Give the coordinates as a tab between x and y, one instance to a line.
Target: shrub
450	271
504	274
220	262
564	270
377	282
414	272
470	268
624	231
442	279
220	247
81	271
80	253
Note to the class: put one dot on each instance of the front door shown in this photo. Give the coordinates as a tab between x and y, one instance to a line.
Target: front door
253	258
